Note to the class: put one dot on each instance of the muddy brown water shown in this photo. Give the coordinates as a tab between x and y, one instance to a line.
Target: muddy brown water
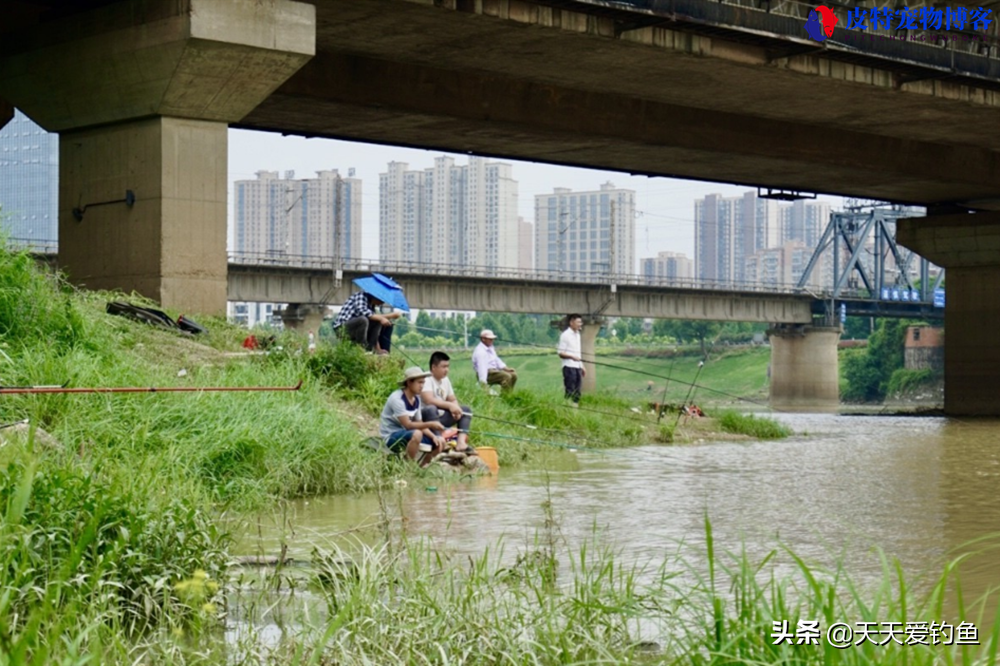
919	489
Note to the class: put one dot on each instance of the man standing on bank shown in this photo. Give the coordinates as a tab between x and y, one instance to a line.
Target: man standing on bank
569	350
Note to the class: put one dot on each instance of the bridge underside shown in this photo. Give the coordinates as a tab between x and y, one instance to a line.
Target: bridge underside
587	87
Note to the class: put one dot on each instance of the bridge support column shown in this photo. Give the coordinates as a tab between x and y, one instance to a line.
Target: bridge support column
141	92
804	369
588	347
302	317
170	245
968	245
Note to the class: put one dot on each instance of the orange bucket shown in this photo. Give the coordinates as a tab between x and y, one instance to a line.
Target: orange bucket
488	455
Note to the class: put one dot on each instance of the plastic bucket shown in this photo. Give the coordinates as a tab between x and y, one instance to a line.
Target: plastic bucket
488	455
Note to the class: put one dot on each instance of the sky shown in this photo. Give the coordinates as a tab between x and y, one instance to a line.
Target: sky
664	206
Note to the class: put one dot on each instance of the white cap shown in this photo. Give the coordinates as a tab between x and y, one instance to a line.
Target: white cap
487	333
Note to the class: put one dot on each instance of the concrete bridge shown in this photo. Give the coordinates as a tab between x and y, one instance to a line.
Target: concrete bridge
142	92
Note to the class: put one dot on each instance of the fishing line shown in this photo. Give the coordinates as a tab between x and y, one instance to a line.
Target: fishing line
624	368
556	430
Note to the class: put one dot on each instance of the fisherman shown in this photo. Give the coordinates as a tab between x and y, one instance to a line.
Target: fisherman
401	426
363	325
490	370
572	358
440	403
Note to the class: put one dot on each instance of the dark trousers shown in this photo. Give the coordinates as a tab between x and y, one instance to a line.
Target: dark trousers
385	338
364	331
572	380
432	413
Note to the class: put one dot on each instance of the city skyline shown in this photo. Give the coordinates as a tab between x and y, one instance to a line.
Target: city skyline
663	205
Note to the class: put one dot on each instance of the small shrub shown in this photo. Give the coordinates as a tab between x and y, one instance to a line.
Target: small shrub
760	427
907	381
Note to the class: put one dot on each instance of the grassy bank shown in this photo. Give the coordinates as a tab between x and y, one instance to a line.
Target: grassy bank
727	377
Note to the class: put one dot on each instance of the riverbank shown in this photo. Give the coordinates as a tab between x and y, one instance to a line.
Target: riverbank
117	506
116	526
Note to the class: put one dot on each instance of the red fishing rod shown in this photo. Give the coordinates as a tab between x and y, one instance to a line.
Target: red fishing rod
11	390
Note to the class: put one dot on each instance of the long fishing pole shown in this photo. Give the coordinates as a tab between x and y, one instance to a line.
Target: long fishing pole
663	398
701	364
144	389
628	369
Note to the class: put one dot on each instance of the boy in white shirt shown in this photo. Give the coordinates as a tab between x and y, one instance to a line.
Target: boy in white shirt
440	403
569	351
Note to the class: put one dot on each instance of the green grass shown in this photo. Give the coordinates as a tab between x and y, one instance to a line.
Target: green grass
758	427
107	528
741	373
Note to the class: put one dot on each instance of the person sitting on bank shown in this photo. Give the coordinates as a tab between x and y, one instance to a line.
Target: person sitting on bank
489	368
440	403
363	325
401	425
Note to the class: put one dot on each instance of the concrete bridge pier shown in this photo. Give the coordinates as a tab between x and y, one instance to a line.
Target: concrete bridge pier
302	318
804	369
588	347
142	92
968	245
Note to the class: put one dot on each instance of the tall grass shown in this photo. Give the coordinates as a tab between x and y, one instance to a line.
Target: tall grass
758	427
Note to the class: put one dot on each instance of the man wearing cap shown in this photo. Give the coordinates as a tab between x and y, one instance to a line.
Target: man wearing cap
363	325
489	368
400	425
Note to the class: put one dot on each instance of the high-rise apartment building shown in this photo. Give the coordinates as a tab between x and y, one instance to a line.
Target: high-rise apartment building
783	265
525	244
448	214
289	217
667	265
586	232
804	221
731	234
730	229
29	183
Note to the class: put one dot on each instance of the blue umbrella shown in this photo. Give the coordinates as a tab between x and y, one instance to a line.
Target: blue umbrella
385	289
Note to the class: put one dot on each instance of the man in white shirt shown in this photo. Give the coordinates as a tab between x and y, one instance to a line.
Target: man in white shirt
569	350
440	403
488	366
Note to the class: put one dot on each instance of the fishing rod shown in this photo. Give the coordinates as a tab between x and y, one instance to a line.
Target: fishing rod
578	408
12	390
628	369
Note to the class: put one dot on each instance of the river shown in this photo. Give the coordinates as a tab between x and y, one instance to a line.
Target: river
919	489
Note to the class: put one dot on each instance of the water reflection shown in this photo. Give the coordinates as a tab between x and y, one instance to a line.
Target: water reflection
918	488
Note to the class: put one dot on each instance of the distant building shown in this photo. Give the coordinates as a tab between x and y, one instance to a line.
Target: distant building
780	266
289	217
573	231
288	220
29	184
924	348
804	221
525	244
252	314
448	214
730	229
667	265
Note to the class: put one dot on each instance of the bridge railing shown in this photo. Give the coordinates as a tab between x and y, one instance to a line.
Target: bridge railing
587	278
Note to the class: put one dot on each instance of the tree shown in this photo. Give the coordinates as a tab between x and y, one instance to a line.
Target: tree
689	331
868	372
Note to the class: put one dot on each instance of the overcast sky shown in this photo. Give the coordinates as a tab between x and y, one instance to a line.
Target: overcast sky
665	206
